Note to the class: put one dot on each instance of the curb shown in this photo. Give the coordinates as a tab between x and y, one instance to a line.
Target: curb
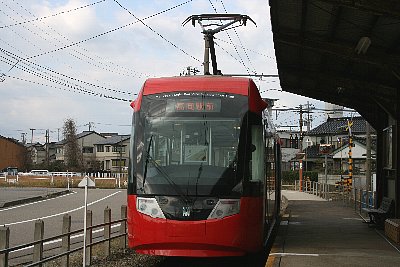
33	199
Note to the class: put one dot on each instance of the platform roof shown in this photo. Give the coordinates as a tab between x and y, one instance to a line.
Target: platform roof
317	56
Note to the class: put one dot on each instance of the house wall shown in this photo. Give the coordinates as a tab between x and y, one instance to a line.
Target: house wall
87	142
107	157
11	154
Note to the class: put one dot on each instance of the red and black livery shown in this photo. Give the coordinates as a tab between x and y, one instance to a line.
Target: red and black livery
204	168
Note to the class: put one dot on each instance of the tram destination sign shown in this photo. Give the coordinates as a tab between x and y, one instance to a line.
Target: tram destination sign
194	105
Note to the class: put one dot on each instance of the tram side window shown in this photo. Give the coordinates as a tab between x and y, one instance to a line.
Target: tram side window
257	154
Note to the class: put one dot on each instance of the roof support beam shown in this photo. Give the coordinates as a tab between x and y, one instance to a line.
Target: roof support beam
340	82
341	50
336	86
387	7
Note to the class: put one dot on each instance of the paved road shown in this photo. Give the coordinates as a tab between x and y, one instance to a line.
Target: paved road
13	195
21	219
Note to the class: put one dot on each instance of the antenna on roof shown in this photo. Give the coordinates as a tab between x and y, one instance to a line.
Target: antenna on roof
209	33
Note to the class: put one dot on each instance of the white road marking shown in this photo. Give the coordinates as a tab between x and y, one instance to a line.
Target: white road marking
294	254
62	213
32	203
357	219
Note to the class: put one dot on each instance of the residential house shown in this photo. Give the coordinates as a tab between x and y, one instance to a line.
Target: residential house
42	153
335	132
86	142
340	155
289	147
113	152
37	152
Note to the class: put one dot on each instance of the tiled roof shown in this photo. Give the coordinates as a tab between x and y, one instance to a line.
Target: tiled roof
78	136
338	126
113	140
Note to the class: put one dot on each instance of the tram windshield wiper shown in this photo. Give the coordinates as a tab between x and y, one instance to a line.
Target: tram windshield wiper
147	160
177	189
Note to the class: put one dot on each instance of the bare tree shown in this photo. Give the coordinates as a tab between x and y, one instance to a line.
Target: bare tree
72	154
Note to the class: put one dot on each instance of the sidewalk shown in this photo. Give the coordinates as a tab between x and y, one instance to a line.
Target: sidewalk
315	232
11	196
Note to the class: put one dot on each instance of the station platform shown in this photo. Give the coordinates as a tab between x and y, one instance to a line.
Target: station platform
316	232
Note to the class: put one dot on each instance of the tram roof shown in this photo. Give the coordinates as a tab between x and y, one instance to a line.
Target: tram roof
226	84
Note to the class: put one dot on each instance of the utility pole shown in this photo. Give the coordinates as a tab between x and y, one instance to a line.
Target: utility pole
368	157
350	180
23	138
309	118
90	125
301	128
47	147
32	129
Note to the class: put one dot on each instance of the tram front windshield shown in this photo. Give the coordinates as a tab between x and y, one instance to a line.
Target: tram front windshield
187	144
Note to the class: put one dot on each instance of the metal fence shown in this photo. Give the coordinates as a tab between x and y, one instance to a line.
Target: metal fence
10	256
357	197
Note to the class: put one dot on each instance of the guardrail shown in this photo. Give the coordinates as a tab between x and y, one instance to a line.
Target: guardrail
9	256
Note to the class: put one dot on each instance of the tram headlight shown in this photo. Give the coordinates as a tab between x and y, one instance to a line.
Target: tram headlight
150	207
224	208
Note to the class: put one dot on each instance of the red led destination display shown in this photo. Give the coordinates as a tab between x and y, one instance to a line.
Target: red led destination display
194	105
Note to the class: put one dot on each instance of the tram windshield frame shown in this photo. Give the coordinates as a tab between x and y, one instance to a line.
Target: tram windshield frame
195	144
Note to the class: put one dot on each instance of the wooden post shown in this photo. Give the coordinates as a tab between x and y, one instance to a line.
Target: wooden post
38	236
107	231
122	228
66	244
89	237
4	244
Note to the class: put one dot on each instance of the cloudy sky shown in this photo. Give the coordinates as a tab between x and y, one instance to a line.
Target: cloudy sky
85	59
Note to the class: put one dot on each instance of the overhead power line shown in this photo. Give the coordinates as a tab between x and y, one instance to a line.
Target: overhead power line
42	68
119	28
49	16
108	66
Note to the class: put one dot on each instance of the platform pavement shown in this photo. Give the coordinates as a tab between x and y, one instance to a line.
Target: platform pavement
316	232
11	196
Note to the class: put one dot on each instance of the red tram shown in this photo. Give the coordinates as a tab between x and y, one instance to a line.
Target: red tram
204	171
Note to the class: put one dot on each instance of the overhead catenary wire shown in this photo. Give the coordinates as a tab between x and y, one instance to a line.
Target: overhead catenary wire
240	41
245	48
154	31
240	60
